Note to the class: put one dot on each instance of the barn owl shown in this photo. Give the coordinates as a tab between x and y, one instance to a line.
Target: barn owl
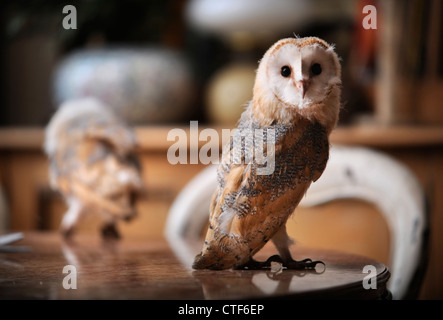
92	164
296	94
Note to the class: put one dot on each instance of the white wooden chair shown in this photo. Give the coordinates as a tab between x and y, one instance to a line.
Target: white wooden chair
351	172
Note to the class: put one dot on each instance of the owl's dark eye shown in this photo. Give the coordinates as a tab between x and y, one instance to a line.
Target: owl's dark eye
316	69
285	71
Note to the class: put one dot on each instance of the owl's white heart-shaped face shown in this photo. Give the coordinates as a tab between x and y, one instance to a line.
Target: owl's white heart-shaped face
298	73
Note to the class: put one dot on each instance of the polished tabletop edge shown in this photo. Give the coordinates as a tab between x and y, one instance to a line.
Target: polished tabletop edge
151	269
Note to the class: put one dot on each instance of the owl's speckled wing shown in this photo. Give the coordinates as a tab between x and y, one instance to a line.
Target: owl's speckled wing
247	209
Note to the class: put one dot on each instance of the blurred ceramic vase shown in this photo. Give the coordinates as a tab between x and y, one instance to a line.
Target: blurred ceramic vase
143	86
228	93
256	17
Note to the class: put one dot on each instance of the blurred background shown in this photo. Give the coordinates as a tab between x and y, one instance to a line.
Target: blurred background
207	53
161	64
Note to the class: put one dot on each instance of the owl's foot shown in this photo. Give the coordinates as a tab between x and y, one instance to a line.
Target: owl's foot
109	231
296	265
255	265
288	264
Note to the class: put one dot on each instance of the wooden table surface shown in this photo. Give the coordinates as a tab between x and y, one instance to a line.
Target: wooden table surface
151	269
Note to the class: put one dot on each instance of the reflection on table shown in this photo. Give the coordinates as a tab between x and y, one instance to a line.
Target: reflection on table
151	269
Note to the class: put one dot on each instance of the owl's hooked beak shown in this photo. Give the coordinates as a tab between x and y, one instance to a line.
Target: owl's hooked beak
302	85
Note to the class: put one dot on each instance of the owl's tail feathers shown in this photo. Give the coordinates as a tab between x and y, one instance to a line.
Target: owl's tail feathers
200	262
223	253
210	261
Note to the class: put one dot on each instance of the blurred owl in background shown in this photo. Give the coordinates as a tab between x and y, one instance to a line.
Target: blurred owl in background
92	164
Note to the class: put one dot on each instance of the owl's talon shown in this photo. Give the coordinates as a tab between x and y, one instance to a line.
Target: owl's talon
306	264
302	265
274	258
293	264
255	265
